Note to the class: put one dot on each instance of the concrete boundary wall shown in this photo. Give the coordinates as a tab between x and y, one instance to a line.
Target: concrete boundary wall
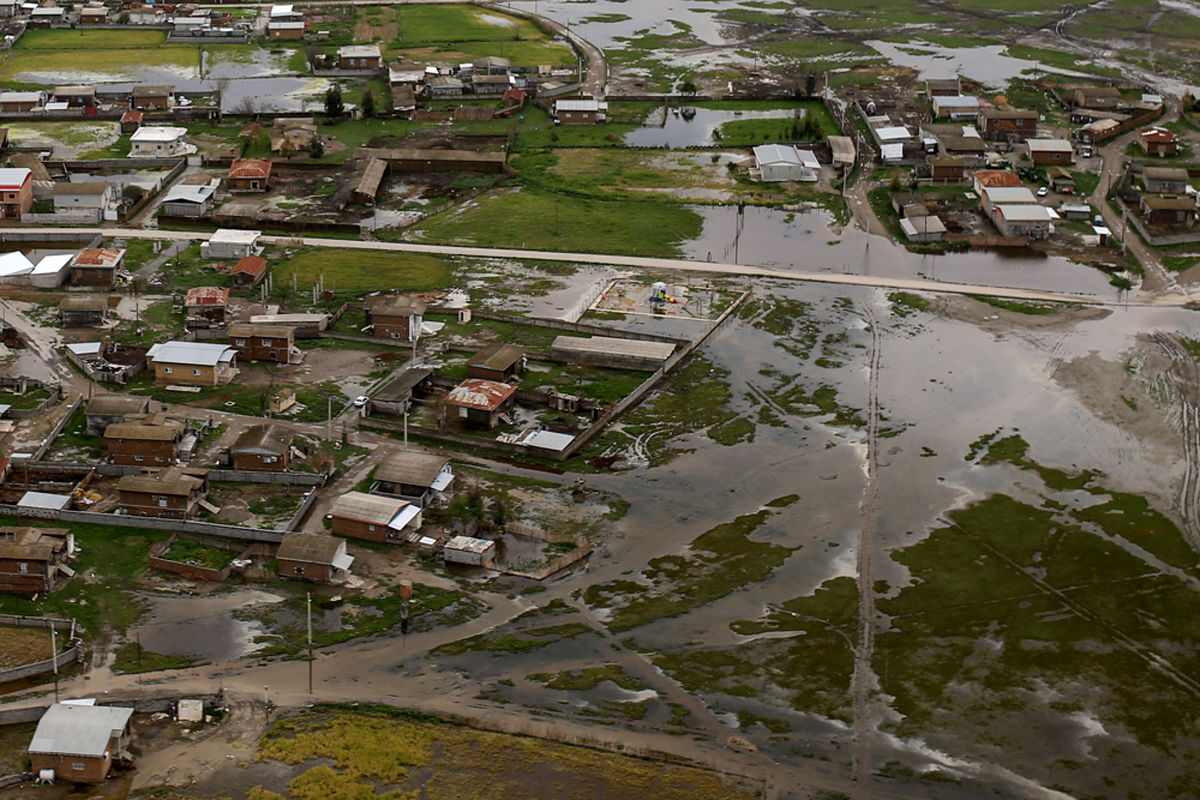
234	532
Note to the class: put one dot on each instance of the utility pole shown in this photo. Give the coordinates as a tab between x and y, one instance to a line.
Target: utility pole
329	417
54	659
308	596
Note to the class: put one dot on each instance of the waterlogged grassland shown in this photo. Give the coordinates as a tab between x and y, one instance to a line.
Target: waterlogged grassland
1022	621
520	640
719	562
366	749
811	668
587	679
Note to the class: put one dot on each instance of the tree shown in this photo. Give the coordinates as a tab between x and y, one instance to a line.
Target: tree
316	148
810	85
368	103
334	107
895	184
687	87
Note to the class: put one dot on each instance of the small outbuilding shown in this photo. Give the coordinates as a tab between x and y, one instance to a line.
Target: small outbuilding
313	557
262	448
374	518
415	476
497	362
480	403
83	311
78	743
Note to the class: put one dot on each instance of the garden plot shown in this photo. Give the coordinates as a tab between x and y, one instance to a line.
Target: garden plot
66	140
256	505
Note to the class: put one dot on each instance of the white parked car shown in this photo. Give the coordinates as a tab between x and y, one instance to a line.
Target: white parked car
361	401
1042	191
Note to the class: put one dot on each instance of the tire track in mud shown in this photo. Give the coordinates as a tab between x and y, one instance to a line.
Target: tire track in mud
864	679
1185	377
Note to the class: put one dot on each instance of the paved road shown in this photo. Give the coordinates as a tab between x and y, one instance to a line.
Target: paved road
670	264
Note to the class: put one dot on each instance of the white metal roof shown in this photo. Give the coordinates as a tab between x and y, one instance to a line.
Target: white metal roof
359	51
158	133
286	25
85	349
547	440
892	152
1027	213
20	97
404	516
1050	146
53	264
195	354
58	105
957	101
13	177
234	236
1008	194
893	133
282	10
189	194
43	500
469	544
915	226
1101	230
580	104
14	263
78	730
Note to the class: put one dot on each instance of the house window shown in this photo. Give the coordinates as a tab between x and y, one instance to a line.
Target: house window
370	527
167	370
195	372
240	342
298	570
22	566
78	766
268	459
266	342
139	458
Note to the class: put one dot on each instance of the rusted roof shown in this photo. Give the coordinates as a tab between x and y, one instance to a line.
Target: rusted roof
997	177
107	257
498	356
168	431
250	168
250	265
1157	134
480	394
207	296
132	116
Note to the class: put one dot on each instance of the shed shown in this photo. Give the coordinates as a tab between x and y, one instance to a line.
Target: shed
395	396
1051	151
923	229
106	409
481	403
607	351
469	550
262	448
85	310
1165	180
249	175
189	200
413	475
230	243
96	268
368	183
248	272
313	557
371	517
497	362
80	743
395	316
778	162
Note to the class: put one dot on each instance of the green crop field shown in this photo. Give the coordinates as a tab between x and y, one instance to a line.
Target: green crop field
63	39
359	270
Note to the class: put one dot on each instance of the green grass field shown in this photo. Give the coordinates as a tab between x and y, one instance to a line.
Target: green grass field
421	24
556	222
361	270
83	39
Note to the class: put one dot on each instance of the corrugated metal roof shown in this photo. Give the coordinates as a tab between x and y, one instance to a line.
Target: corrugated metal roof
411	467
14	263
497	356
638	348
99	257
250	265
164	481
207	296
469	544
399	305
368	508
68	729
43	500
195	354
14	177
1050	146
189	194
234	236
266	438
166	432
313	548
117	404
480	394
53	264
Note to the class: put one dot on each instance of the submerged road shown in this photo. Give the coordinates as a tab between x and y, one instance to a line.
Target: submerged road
638	262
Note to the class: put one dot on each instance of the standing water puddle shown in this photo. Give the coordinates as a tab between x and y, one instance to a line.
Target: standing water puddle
202	627
694	127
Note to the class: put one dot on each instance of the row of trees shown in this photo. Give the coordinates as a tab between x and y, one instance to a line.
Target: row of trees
335	104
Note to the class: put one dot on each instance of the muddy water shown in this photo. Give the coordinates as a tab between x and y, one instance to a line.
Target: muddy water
650	17
804	241
201	627
984	64
679	131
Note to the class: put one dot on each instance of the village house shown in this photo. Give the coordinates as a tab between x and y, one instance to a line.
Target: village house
286	29
155	98
404	101
34	560
1023	220
18	102
313	557
480	403
491	84
359	56
421	478
93	14
993	179
158	141
262	342
580	111
75	96
110	409
16	192
784	162
397	395
373	518
994	196
945	168
1156	141
395	316
79	743
1165	180
1098	97
497	362
1051	151
491	65
96	268
144	14
83	311
923	228
171	493
97	197
230	243
249	175
262	448
248	272
1061	180
406	73
1097	131
192	363
47	17
153	442
192	25
943	87
439	86
956	107
1168	210
1006	122
189	200
206	304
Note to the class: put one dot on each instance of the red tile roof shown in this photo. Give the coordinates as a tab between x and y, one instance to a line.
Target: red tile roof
250	168
997	177
132	116
100	257
250	265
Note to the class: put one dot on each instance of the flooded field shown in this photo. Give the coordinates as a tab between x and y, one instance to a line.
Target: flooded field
203	628
694	129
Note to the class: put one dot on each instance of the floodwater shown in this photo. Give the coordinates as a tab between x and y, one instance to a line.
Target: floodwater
272	94
985	64
249	63
649	17
804	241
680	131
201	627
